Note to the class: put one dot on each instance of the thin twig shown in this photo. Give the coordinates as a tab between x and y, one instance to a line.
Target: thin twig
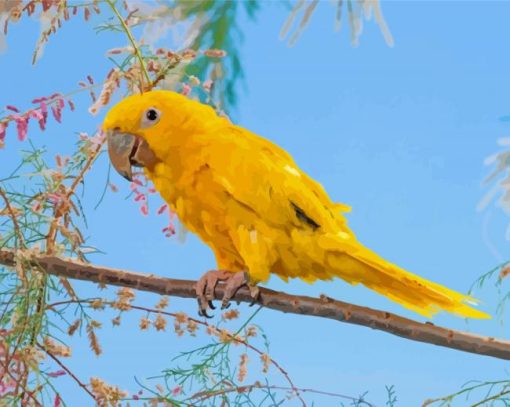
232	337
22	385
133	43
65	205
64	367
13	217
204	395
323	307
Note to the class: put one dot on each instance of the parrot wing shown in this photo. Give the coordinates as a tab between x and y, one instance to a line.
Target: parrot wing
265	178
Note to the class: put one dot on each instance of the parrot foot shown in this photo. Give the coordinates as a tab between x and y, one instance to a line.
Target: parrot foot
233	281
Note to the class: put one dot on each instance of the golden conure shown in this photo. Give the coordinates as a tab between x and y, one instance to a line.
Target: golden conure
250	203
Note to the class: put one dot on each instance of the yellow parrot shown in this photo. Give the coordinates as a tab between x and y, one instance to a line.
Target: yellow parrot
250	203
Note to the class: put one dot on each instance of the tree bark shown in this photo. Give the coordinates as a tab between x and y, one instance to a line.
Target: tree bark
323	307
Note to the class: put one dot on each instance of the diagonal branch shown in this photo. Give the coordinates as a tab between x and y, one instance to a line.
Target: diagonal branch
320	307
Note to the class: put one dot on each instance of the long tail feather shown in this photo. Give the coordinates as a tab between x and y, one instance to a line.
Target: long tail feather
360	265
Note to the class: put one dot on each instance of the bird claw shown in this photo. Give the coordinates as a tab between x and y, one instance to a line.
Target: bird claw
255	294
203	312
233	281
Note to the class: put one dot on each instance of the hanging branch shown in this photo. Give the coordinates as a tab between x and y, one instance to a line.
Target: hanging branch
323	307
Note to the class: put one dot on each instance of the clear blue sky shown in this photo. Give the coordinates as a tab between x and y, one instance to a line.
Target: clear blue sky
398	133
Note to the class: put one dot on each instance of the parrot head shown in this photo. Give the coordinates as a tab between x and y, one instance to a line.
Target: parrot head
142	129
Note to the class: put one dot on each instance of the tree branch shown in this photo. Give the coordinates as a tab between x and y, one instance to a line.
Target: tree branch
323	307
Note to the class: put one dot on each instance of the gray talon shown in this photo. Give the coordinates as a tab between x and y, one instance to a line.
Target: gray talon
233	281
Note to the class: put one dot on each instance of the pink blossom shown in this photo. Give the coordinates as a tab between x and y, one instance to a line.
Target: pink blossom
97	138
113	187
21	126
162	208
186	89
70	102
39	100
42	124
14	109
6	386
176	391
44	113
61	104
140	197
151	190
57	114
168	230
207	85
36	114
44	108
36	207
58	401
54	198
144	209
57	373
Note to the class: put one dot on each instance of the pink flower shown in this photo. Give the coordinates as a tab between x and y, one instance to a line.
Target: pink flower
69	101
176	391
21	126
186	89
169	230
162	208
42	124
36	207
57	114
144	209
6	386
58	401
207	85
54	198
39	100
57	373
44	109
14	109
36	114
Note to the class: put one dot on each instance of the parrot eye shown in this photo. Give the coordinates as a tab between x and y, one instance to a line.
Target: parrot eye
150	117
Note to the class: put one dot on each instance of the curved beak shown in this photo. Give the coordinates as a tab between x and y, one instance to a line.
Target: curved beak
127	150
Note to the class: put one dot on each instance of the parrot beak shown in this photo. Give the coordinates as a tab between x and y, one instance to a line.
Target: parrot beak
127	150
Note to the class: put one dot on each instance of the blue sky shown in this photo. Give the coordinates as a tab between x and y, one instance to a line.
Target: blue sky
400	134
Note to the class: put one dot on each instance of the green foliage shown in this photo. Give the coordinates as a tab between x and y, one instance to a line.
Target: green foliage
220	30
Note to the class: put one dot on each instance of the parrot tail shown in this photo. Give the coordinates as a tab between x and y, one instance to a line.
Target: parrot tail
355	263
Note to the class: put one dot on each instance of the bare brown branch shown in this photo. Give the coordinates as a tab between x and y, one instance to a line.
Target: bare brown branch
320	307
